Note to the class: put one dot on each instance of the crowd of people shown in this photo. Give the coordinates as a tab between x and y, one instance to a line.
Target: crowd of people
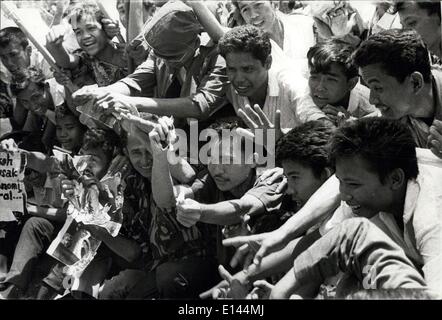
272	151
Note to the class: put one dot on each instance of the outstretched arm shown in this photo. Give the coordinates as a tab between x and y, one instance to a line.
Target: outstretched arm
207	20
323	201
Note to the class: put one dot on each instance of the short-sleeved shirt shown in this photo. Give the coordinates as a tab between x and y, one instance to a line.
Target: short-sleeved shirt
358	105
284	92
204	81
161	237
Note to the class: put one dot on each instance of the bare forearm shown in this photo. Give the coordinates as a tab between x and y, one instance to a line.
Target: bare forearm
207	20
182	171
178	107
223	213
282	260
321	203
119	87
275	263
162	183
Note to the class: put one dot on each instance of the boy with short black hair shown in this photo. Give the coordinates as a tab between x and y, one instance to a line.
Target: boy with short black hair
21	61
225	194
253	80
380	180
303	155
100	58
335	92
403	84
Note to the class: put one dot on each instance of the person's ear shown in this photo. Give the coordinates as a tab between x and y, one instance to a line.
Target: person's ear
416	81
352	82
396	179
268	63
28	50
326	173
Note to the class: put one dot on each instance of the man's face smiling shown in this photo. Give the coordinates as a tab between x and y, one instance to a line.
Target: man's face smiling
90	35
247	75
258	13
361	188
139	152
392	98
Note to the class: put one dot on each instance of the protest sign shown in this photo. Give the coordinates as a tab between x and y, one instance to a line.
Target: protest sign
12	190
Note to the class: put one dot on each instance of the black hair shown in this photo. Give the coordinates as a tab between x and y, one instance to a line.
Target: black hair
384	144
10	34
106	140
230	124
226	123
63	111
246	38
307	144
81	10
236	4
399	52
322	55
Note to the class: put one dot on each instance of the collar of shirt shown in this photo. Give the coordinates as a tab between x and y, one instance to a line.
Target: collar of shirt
273	85
421	211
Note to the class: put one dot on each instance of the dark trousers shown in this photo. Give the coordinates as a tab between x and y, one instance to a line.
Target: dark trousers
35	237
184	279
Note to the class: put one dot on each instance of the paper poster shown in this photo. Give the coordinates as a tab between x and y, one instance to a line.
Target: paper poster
12	189
74	246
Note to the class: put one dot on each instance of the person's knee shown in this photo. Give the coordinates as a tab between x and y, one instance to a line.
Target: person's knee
186	279
36	225
127	284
